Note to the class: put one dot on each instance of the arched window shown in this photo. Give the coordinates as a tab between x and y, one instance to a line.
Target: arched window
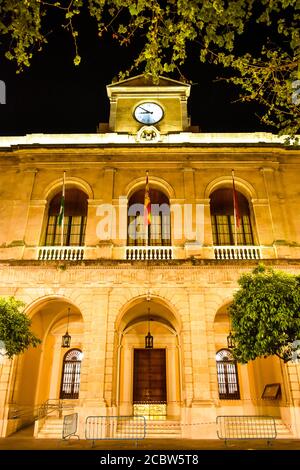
222	219
227	375
158	233
75	213
70	381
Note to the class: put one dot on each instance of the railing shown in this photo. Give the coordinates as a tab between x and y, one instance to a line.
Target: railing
26	415
70	426
52	405
149	252
237	252
246	427
115	427
62	253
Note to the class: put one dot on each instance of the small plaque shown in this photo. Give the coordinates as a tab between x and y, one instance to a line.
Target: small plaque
271	392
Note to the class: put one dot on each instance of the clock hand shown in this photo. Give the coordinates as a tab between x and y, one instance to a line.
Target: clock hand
146	111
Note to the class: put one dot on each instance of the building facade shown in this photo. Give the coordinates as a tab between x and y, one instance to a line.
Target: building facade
109	279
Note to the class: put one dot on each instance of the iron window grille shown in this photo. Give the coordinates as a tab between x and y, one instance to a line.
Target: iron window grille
228	384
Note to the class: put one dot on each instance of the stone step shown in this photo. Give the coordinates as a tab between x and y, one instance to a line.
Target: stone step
52	429
282	430
166	428
154	428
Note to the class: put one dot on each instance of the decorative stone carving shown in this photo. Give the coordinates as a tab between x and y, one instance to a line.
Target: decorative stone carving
148	134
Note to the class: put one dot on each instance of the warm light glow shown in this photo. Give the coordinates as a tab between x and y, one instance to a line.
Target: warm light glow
115	138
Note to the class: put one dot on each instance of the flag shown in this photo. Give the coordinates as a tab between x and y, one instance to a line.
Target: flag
147	203
236	211
62	204
61	214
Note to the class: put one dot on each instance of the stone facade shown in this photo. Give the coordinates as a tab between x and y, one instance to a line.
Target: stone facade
187	287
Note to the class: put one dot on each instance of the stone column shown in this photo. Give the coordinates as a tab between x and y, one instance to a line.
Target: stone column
207	237
5	378
36	227
276	216
200	365
94	348
173	382
125	376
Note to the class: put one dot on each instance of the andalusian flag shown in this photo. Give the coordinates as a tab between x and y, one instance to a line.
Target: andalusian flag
147	203
61	214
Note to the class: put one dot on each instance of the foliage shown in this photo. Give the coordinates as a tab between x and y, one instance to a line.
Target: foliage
267	71
265	314
15	327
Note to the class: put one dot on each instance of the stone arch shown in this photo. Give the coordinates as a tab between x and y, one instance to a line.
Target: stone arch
155	298
50	320
37	303
71	181
221	326
131	324
223	307
241	185
154	182
219	194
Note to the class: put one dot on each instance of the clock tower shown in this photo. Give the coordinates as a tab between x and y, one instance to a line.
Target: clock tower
138	102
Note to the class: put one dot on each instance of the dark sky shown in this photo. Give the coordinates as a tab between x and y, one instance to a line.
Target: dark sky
54	96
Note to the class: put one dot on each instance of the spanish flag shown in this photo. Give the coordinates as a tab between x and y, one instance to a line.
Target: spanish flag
147	203
236	210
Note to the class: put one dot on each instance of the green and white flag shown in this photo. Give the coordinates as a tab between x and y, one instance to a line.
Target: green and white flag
61	211
61	214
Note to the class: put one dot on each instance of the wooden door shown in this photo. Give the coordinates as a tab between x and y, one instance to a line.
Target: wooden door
149	377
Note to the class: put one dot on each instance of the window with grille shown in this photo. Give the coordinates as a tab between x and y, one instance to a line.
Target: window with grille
228	383
158	233
222	219
70	381
75	215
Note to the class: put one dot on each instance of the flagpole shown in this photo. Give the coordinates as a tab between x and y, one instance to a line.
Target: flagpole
234	209
63	215
146	209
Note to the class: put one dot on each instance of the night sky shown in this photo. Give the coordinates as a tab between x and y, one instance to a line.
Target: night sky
55	96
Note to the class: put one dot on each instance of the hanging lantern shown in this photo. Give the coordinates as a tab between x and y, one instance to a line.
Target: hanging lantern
230	341
66	338
149	337
149	341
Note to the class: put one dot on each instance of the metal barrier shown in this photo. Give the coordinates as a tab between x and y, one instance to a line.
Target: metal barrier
246	427
115	427
70	426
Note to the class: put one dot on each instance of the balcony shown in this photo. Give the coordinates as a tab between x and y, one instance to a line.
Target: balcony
237	252
60	253
149	252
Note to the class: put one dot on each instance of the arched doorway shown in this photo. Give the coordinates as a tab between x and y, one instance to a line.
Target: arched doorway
44	364
149	379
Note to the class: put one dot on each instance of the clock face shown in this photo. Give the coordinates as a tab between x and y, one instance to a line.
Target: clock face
148	113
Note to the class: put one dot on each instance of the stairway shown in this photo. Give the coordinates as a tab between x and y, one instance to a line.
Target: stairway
283	432
163	429
52	429
154	429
